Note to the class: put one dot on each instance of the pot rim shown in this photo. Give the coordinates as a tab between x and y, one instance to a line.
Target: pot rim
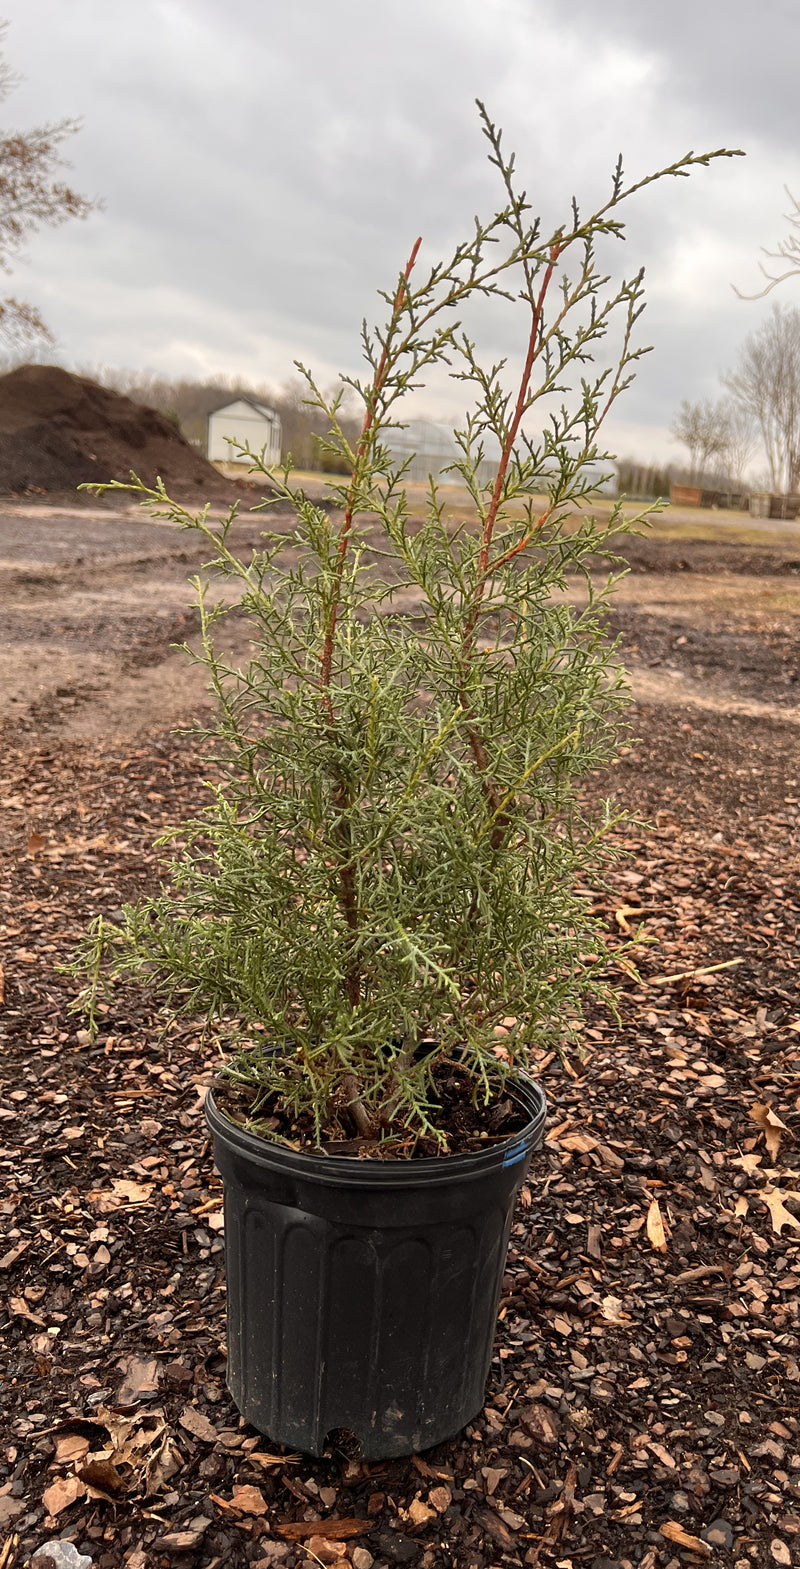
352	1172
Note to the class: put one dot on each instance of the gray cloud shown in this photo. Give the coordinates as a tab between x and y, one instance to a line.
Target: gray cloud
266	166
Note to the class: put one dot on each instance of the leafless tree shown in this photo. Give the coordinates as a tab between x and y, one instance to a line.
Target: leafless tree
702	428
788	251
31	196
766	383
739	441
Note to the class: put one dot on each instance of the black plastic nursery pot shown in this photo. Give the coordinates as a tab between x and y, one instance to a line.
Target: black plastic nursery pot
363	1295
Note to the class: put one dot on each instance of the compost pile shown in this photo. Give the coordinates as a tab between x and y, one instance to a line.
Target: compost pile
58	431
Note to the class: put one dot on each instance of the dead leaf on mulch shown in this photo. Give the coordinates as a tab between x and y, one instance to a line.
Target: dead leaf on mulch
102	1479
612	1311
70	1447
655	1227
162	1466
130	1438
123	1194
771	1127
60	1494
748	1163
562	1509
131	1454
141	1378
493	1475
781	1216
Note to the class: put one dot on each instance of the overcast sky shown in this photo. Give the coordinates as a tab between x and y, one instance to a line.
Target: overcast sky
265	165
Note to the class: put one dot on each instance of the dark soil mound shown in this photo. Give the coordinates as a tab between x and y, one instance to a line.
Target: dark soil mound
58	431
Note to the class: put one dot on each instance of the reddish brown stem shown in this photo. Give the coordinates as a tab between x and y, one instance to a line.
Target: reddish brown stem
470	625
524	542
505	456
349	897
347	521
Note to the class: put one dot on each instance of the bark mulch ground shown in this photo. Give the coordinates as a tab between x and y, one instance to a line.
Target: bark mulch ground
643	1403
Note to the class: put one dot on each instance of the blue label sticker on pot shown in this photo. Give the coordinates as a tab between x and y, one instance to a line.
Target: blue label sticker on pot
513	1156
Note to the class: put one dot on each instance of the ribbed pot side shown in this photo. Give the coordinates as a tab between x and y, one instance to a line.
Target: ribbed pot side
363	1295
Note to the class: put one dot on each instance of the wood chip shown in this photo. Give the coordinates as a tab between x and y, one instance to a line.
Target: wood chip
249	1500
194	1422
441	1499
337	1530
683	1538
420	1513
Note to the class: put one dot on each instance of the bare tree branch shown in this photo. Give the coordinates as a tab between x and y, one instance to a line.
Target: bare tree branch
31	196
788	251
701	428
766	383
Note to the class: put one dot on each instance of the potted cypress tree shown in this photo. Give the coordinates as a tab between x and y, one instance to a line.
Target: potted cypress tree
384	893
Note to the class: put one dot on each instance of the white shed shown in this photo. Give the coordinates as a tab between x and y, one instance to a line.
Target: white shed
243	423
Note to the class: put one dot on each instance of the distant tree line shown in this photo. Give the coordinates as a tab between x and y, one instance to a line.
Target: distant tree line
642	481
761	409
189	404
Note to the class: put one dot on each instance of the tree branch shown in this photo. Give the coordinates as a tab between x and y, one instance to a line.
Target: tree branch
470	625
349	896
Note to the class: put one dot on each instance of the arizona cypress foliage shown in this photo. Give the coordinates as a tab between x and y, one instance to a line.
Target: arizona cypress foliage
392	867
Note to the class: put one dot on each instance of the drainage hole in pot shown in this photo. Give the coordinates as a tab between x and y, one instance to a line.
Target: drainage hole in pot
340	1441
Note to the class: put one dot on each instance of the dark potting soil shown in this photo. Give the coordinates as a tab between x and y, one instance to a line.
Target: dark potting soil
464	1122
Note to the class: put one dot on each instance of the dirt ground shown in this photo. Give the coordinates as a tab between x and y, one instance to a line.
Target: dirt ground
642	1404
93	599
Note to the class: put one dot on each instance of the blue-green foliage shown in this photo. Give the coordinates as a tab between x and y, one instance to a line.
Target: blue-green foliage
393	864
